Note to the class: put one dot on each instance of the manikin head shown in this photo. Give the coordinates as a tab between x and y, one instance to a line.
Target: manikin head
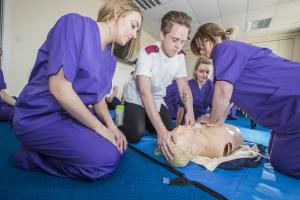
212	142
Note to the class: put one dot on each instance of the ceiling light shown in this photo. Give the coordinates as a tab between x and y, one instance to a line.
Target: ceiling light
258	24
147	4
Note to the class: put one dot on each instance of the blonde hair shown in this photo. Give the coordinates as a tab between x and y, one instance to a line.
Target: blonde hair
201	60
182	156
129	51
175	17
210	32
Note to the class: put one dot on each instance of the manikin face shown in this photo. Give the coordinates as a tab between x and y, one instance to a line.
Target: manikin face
173	41
202	73
127	27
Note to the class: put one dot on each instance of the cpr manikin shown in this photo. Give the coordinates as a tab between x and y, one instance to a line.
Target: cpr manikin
210	142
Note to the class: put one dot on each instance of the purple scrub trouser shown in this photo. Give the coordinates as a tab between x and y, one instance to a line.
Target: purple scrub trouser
5	111
67	149
284	153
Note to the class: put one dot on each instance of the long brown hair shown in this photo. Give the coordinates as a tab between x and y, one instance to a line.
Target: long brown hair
129	51
210	32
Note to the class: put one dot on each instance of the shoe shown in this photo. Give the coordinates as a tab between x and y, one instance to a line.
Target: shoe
229	117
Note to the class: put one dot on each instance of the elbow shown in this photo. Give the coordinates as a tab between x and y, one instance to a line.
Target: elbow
57	89
225	89
145	95
54	90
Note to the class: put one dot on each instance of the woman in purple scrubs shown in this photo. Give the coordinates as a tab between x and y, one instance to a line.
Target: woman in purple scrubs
262	84
202	90
172	99
73	70
7	102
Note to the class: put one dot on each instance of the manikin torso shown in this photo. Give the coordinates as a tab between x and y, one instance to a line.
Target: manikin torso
212	142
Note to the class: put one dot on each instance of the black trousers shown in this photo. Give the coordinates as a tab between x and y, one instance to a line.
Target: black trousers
136	121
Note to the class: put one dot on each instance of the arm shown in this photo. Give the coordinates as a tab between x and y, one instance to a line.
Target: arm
102	111
124	90
7	98
220	103
180	114
122	99
115	91
164	136
63	92
187	100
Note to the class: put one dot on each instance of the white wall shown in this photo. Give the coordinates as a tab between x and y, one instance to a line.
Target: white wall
285	45
26	24
190	63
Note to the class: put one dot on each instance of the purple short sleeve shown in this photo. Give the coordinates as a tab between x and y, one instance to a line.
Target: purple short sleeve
2	83
229	62
63	44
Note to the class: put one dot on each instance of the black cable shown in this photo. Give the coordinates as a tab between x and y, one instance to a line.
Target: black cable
178	173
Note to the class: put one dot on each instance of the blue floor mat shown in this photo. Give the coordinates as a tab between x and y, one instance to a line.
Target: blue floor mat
259	135
248	183
136	178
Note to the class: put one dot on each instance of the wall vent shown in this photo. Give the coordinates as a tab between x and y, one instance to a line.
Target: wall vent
258	24
147	4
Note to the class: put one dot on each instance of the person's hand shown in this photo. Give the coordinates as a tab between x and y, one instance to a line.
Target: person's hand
205	121
108	135
120	139
109	99
189	119
164	143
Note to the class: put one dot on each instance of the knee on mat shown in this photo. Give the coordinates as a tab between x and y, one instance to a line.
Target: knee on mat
133	139
289	167
105	165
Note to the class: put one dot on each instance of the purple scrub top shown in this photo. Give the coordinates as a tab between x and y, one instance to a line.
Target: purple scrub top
73	43
265	85
2	82
202	98
172	98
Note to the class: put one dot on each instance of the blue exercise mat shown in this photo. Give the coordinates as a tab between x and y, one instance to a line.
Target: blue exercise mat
261	182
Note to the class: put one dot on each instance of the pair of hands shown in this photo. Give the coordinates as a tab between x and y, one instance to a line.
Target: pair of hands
206	121
116	137
166	138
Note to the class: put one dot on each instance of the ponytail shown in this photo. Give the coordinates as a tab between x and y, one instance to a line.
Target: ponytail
231	32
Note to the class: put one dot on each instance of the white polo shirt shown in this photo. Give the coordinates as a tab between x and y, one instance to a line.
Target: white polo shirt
161	69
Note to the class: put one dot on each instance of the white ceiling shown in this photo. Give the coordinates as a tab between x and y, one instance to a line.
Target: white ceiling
285	15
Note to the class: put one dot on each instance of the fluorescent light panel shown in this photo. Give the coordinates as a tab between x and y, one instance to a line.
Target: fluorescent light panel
258	24
147	4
